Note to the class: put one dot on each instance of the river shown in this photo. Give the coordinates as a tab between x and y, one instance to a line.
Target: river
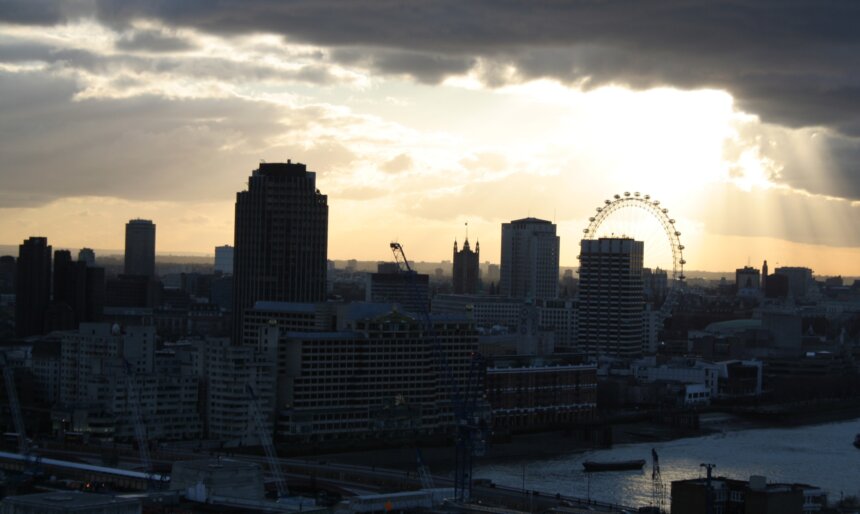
819	455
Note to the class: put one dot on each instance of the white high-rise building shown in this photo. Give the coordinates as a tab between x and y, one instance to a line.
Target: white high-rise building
530	251
610	297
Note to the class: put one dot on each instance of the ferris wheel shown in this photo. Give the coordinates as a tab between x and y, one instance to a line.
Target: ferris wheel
636	204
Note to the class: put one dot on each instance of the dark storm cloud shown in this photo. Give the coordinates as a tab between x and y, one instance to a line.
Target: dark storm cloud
792	61
141	148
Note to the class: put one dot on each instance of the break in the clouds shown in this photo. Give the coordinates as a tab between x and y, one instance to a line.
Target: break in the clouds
440	111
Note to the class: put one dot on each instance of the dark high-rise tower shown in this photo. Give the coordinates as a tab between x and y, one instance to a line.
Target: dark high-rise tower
140	248
610	297
530	251
466	268
280	239
32	286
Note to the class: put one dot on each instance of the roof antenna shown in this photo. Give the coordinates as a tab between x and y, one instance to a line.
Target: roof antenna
467	231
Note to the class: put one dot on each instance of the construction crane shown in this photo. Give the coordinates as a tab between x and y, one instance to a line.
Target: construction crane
470	440
658	488
14	405
133	400
423	472
266	442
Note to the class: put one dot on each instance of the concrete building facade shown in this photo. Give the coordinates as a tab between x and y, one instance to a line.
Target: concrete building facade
530	254
610	297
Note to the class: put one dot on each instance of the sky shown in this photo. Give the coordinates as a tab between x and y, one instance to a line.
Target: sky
418	117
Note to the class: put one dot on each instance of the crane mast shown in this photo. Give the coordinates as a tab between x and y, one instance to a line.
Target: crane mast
469	437
266	442
14	405
133	398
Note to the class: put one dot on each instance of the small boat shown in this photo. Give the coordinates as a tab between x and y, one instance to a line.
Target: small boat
619	465
857	441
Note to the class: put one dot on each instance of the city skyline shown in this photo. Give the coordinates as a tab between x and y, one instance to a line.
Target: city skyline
150	112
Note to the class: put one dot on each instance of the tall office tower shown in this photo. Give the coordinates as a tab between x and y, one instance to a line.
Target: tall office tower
7	274
32	286
529	259
610	297
140	248
466	268
88	256
70	290
281	239
224	259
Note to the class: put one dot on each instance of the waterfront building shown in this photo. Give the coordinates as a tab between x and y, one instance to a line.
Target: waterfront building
376	375
530	253
610	297
727	495
527	394
32	286
140	248
466	268
281	238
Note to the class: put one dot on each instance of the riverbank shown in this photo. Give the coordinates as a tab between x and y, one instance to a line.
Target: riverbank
545	445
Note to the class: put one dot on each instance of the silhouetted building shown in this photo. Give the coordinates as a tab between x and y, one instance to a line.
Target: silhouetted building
610	297
408	289
70	290
530	252
132	291
747	278
140	248
764	276
88	256
224	259
776	286
32	286
466	268
281	238
7	274
730	496
799	280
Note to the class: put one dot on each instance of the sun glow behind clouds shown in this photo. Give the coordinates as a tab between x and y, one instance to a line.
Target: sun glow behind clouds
471	152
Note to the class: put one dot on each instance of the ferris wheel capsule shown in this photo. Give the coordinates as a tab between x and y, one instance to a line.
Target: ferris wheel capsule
656	202
585	231
672	221
607	202
665	211
600	209
617	197
677	233
636	194
591	218
680	247
647	197
626	193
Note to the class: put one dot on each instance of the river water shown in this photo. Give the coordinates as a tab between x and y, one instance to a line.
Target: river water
819	455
